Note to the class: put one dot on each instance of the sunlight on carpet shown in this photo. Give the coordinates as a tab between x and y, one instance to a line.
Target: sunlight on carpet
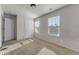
46	51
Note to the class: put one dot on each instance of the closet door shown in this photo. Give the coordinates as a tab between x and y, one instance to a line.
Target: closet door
8	29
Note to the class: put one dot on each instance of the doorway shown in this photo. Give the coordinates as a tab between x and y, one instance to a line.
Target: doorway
9	28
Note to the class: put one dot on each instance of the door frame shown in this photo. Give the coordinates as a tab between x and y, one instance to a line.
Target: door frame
3	26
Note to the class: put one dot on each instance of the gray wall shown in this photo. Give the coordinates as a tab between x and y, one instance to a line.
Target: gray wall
69	28
24	26
1	26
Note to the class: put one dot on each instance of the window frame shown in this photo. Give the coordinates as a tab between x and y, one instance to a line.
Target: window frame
58	27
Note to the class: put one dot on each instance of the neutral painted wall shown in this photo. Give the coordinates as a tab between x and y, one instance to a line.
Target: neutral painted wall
69	28
24	26
0	26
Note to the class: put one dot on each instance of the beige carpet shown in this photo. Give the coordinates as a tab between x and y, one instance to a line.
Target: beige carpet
46	51
36	47
32	48
11	47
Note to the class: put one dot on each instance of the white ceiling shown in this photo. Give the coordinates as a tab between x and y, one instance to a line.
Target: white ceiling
40	9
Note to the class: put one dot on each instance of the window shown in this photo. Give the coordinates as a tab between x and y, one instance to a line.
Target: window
37	25
53	26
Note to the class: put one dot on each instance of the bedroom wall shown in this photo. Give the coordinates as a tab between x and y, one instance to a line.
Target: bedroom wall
24	26
0	26
69	19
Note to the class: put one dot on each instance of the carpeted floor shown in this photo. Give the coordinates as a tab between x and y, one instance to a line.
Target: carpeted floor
35	47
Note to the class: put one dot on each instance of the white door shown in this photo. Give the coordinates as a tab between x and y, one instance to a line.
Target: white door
9	29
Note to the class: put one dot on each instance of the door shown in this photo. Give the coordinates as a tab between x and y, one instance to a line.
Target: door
9	29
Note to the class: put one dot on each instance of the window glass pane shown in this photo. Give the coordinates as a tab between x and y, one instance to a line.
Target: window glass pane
53	25
54	21
37	23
